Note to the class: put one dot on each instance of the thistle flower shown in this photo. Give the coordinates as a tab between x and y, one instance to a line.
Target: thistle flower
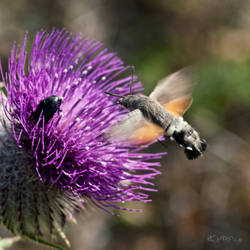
54	152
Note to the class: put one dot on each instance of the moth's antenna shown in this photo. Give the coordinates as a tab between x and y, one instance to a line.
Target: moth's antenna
108	93
130	84
132	79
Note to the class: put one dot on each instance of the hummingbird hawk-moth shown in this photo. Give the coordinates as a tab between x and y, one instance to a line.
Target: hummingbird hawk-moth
160	114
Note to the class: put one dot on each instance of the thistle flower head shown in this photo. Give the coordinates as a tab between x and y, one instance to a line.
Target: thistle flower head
54	147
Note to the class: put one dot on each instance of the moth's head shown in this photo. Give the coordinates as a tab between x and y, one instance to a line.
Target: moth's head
124	101
127	101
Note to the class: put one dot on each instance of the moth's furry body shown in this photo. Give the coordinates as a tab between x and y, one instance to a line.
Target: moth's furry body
152	110
173	126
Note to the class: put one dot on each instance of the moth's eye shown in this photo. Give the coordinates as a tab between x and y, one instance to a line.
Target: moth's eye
118	102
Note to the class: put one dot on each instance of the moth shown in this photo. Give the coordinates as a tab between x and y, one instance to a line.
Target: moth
48	107
161	114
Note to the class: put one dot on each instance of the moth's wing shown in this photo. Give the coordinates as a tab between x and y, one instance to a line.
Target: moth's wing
179	106
135	129
175	89
147	134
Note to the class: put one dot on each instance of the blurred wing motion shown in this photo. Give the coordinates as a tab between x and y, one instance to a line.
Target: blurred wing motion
179	106
173	92
174	86
135	129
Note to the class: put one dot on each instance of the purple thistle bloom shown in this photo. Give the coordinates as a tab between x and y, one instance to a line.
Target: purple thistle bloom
62	150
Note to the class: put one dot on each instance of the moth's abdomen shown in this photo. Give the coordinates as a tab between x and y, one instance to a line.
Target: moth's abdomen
193	153
186	137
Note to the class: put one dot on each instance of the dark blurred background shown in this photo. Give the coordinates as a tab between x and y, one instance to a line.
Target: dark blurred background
201	204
